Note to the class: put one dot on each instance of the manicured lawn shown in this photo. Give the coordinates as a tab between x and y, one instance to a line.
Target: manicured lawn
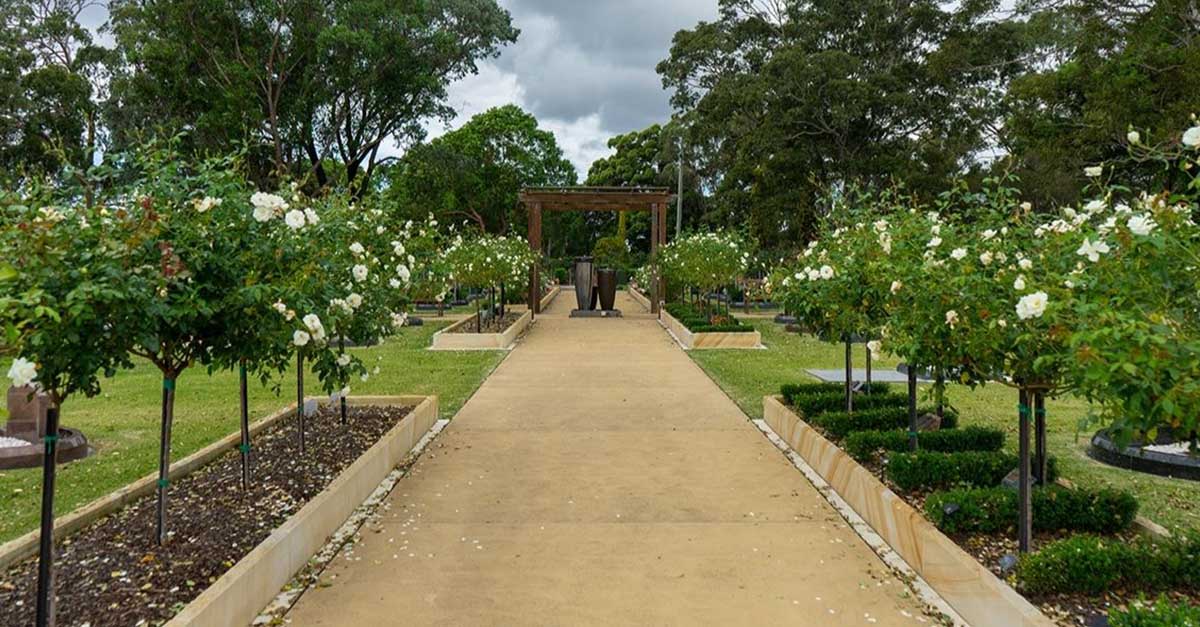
123	422
747	376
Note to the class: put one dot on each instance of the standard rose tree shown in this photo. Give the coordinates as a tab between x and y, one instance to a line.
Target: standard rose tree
489	262
708	261
63	300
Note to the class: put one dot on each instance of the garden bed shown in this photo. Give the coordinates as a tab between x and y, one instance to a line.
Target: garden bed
638	296
964	564
732	336
497	335
244	544
549	297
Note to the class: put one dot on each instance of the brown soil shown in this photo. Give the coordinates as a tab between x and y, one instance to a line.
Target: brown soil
491	325
988	549
114	573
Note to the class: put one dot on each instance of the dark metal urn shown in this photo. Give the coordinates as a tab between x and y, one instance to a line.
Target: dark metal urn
606	284
583	282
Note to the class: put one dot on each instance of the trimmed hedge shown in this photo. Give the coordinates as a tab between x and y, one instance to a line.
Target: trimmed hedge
1093	565
1164	613
697	322
864	444
928	469
993	510
790	391
811	404
839	424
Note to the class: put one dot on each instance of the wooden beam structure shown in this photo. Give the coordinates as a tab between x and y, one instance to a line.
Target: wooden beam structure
539	199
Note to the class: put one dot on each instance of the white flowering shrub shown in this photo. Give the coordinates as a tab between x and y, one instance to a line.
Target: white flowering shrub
708	261
488	261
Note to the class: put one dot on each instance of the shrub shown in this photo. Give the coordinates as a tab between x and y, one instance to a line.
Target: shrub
790	390
928	469
1092	565
839	424
816	403
992	510
1164	613
864	444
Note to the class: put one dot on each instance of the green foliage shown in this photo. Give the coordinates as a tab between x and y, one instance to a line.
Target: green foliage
994	510
1092	565
872	417
485	261
863	445
927	469
697	321
834	400
611	252
474	173
707	261
1162	613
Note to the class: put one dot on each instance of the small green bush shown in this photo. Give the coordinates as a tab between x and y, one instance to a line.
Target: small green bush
1093	565
1164	613
812	404
839	424
790	390
863	444
929	469
993	510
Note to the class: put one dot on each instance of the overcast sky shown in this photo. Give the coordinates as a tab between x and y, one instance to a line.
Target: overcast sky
584	68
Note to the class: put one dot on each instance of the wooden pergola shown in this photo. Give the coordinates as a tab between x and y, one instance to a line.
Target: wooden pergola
539	199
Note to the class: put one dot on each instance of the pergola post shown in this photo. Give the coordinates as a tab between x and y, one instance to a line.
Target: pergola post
535	244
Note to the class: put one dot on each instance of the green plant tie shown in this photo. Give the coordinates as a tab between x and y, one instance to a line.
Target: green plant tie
245	448
50	439
162	483
913	434
1041	412
1023	409
168	384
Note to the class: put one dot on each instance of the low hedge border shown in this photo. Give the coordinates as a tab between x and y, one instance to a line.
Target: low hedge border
811	404
1163	613
839	424
698	323
994	510
864	445
791	390
928	469
1088	564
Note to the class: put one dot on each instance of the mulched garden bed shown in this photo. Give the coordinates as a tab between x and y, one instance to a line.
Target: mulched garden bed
991	549
114	573
495	324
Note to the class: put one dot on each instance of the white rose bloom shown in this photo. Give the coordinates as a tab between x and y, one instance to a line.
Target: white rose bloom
343	360
357	249
394	283
1026	207
934	243
404	273
1191	137
22	372
896	285
985	258
1092	250
294	219
1094	206
1019	283
365	377
355	300
1032	305
1134	137
399	319
1122	208
312	322
989	234
1025	264
263	214
813	275
280	307
951	318
875	346
1141	224
360	273
270	201
1107	225
311	216
206	203
300	338
1094	171
826	272
958	253
1003	323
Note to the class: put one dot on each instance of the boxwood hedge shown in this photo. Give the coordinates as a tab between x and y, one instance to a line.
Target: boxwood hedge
1163	613
863	444
839	424
1092	565
993	510
929	469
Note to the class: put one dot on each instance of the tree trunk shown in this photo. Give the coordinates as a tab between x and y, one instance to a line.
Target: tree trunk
45	583
1024	486
164	454
1039	438
867	361
849	376
245	424
913	434
300	396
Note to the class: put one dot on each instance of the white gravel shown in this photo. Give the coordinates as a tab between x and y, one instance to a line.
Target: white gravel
1178	448
12	442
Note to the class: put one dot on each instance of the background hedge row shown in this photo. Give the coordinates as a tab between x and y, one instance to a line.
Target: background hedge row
992	510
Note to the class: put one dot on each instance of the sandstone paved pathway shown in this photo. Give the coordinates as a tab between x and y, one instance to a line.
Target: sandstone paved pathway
598	477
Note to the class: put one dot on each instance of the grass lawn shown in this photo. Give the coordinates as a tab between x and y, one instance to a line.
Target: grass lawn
123	422
747	376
